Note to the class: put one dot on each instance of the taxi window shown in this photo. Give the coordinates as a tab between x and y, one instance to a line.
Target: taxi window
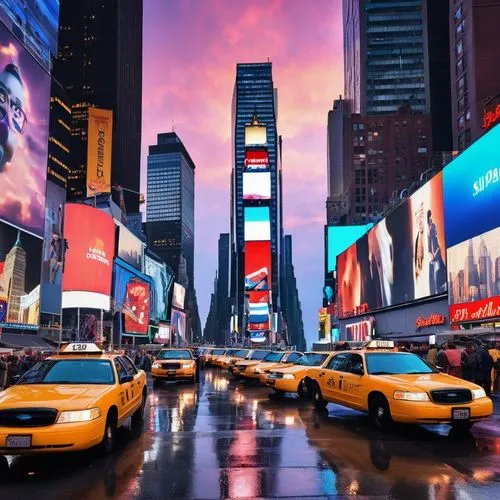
396	363
259	355
339	362
293	357
354	360
129	366
312	359
120	371
180	354
274	357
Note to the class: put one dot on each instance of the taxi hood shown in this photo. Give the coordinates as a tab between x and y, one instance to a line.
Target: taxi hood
248	362
286	368
62	397
429	382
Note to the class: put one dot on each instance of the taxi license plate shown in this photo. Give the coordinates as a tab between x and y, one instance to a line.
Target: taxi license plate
171	373
270	382
18	442
461	413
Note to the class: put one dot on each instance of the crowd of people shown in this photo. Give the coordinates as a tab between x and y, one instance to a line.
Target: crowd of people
13	366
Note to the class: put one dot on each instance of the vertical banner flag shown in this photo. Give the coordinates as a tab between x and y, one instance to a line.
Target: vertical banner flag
100	136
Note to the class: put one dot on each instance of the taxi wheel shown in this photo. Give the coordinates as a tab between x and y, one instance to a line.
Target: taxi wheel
138	416
380	412
303	390
319	402
108	441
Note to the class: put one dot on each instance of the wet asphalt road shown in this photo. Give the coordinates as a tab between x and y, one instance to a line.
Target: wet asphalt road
228	439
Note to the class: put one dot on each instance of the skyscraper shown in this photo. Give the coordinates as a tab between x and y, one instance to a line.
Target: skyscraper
14	276
256	224
170	211
100	65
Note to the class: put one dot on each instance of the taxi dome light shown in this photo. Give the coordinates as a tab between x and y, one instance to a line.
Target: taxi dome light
380	344
82	348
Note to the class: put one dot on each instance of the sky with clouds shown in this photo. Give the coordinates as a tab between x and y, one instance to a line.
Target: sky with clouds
191	48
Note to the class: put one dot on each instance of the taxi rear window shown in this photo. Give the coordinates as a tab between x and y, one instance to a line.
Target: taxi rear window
67	371
393	363
174	355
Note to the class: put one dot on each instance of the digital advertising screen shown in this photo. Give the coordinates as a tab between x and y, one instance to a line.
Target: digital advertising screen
256	185
53	250
255	135
401	259
258	337
24	122
136	307
472	190
20	258
90	248
338	239
162	283
35	23
130	248
257	265
258	313
178	326
179	296
256	161
257	224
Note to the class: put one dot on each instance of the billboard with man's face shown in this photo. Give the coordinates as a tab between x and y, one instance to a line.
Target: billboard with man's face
24	120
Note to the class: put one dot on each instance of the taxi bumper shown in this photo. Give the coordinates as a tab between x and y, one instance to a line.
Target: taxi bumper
432	413
283	385
55	438
174	374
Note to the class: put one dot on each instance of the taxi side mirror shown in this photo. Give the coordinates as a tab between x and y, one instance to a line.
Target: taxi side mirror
439	368
125	379
358	369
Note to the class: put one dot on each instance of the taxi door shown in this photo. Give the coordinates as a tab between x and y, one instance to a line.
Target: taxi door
352	381
330	377
125	402
136	384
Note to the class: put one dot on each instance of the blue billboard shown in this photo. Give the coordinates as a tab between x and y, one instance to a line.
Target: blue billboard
472	190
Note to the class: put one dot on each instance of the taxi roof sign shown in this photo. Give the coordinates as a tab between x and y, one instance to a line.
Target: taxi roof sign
81	348
380	344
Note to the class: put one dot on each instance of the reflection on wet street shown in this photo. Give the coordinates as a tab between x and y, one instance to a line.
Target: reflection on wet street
229	439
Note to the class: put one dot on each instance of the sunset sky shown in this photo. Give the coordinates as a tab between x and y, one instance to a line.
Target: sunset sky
191	48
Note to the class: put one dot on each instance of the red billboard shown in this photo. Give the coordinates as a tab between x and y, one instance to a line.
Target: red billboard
90	248
136	307
257	265
256	161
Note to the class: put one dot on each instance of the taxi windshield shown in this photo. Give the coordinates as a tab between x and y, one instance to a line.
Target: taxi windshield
70	371
274	356
393	363
241	354
218	352
311	359
174	355
259	355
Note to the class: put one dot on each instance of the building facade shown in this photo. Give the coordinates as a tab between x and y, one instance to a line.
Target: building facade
100	65
475	77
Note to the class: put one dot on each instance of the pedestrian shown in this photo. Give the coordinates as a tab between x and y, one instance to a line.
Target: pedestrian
442	360
432	354
453	357
495	373
3	374
486	369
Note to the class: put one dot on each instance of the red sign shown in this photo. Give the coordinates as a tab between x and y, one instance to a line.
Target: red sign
90	237
491	117
360	331
136	307
256	158
257	265
258	297
475	311
258	327
433	319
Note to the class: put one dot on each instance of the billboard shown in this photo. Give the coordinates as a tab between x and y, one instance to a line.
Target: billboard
53	249
130	248
257	265
24	120
178	326
178	296
400	259
255	135
256	185
136	307
35	23
256	161
474	278
258	337
90	248
100	138
20	257
338	238
162	282
257	224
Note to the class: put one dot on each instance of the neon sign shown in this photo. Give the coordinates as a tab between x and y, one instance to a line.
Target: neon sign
491	117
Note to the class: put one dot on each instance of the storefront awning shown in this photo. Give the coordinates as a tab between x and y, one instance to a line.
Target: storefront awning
21	341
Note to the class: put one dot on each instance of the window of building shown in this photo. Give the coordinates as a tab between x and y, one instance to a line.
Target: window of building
461	121
421	150
467	115
459	29
460	66
459	12
459	48
461	85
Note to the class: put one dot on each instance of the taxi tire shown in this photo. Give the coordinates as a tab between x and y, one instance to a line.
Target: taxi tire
317	397
138	416
380	413
108	441
303	389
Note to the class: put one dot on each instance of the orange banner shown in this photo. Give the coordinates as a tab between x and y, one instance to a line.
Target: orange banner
100	137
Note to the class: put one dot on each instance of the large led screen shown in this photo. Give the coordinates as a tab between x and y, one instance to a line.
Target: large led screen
162	282
178	327
136	307
53	250
88	267
24	119
256	161
258	311
474	278
257	224
130	248
256	185
35	23
20	257
399	260
257	265
255	135
179	296
472	190
338	239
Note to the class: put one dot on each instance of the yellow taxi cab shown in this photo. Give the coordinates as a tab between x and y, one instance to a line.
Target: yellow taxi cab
72	401
397	386
204	355
174	364
220	360
214	355
274	359
293	378
231	358
252	359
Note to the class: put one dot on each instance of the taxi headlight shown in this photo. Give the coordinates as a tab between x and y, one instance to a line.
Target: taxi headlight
156	365
478	393
289	376
187	365
69	417
411	396
257	370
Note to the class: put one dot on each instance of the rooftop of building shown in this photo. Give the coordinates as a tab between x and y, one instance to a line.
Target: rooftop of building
169	142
